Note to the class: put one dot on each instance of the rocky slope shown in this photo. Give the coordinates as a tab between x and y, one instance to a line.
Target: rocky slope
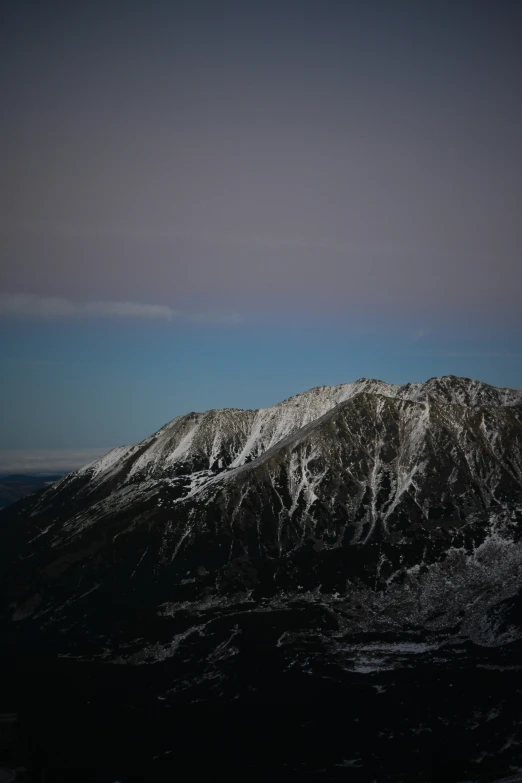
347	532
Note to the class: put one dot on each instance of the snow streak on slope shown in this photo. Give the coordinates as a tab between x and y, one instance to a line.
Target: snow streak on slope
108	461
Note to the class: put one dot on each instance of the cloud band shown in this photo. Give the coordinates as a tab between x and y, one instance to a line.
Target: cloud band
17	305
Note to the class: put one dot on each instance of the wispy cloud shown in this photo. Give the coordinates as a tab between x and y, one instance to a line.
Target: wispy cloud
18	305
46	461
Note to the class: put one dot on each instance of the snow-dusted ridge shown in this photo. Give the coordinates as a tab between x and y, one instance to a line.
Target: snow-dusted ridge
228	438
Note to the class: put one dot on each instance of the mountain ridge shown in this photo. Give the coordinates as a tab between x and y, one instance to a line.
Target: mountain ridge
320	399
410	472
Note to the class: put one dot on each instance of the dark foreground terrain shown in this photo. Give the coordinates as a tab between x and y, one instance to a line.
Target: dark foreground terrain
457	719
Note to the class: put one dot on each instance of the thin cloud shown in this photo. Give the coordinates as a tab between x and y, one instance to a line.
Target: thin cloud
46	461
53	307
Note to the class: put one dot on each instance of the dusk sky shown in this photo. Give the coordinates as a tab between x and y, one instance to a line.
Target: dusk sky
220	204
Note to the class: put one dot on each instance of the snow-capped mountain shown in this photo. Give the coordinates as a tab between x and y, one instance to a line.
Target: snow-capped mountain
345	532
413	473
228	438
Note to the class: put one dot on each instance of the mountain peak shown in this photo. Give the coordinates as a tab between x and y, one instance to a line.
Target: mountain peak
226	438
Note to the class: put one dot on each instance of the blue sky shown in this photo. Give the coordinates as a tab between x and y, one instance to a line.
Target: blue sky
99	384
212	204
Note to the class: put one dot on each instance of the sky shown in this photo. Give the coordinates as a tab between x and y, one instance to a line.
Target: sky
220	204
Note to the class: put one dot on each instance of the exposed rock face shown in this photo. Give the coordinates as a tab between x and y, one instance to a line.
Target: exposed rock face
346	532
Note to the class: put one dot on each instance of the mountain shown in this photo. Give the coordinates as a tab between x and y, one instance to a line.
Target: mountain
407	473
360	531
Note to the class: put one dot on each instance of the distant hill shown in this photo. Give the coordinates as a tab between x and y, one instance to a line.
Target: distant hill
17	486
